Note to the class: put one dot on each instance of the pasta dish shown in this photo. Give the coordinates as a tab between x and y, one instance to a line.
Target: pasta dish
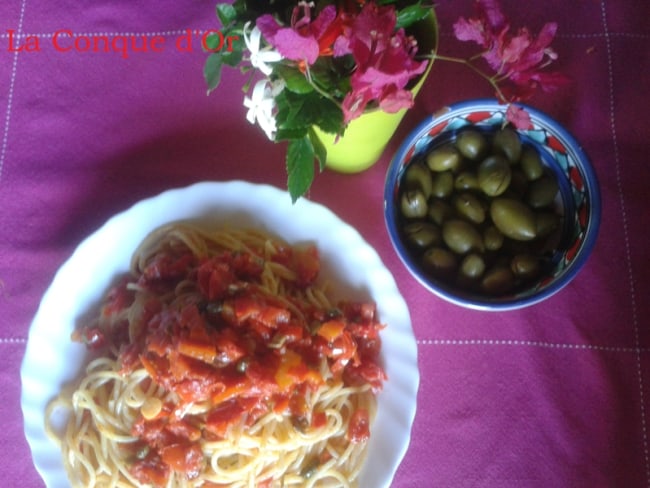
220	360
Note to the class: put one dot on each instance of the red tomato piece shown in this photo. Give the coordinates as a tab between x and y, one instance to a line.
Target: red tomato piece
197	350
214	277
318	420
359	426
247	266
183	457
306	263
223	416
167	267
151	471
228	350
118	298
365	372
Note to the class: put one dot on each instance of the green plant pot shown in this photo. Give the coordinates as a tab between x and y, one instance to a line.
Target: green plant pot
366	137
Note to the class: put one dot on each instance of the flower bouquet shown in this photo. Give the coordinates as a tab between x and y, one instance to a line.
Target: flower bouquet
317	66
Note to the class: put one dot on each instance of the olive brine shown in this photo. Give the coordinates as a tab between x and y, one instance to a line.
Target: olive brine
481	212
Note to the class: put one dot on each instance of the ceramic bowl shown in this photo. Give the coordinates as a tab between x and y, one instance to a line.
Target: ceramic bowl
577	203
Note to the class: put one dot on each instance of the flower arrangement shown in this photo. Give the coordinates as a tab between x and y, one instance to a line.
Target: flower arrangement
323	64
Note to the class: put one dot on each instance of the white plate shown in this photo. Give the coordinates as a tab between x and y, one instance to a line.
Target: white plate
52	360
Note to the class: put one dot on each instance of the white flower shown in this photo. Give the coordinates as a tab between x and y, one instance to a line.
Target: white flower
259	56
261	106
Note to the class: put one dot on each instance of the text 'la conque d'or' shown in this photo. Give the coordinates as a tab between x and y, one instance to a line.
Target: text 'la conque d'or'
66	41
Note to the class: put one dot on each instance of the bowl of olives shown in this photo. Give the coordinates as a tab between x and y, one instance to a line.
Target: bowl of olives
488	216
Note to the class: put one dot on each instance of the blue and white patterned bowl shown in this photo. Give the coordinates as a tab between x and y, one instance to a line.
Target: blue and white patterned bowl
561	153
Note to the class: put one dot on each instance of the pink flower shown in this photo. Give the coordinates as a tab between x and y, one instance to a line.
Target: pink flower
518	58
305	40
384	62
518	117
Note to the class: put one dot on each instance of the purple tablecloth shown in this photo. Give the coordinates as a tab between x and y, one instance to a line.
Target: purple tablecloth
555	395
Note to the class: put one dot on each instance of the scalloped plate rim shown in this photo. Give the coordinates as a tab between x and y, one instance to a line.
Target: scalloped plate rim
43	374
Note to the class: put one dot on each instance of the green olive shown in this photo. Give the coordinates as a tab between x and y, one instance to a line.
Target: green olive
525	266
506	141
513	218
461	236
471	144
443	184
546	223
542	192
439	211
498	280
531	163
470	207
466	180
422	234
492	238
444	158
418	176
494	175
439	261
414	204
472	266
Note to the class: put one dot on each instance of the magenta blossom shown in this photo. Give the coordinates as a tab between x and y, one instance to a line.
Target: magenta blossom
384	62
302	41
518	117
518	58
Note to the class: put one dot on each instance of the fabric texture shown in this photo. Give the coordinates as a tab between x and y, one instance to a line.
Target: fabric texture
554	395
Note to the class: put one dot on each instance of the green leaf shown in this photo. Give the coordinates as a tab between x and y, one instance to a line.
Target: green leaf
294	79
330	117
212	71
288	133
309	109
411	14
332	75
226	14
300	167
319	149
232	58
215	42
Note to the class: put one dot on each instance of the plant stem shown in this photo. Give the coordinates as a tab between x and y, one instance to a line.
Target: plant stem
494	82
320	90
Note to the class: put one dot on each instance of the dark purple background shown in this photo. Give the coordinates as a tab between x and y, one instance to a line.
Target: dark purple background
554	395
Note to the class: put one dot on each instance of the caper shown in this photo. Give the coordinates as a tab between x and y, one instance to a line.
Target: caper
461	236
443	184
525	266
439	211
513	218
498	280
439	261
506	141
542	192
494	175
470	207
444	158
471	144
466	180
492	238
418	176
422	234
472	266
531	163
414	204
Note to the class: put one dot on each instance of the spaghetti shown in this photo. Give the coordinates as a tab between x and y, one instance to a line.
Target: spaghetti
222	363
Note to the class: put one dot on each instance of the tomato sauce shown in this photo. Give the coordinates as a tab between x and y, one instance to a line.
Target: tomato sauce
235	347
